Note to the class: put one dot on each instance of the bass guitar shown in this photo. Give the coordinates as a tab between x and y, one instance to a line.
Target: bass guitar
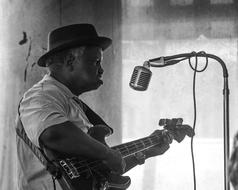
78	173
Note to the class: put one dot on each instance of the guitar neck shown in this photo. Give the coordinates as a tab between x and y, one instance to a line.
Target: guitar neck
139	145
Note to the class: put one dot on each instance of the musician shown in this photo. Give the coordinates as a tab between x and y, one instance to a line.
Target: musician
55	118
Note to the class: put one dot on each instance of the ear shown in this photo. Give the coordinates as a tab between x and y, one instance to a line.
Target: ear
69	60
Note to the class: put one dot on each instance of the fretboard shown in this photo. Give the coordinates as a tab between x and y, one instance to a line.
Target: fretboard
132	147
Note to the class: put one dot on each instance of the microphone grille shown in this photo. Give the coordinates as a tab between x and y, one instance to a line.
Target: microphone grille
140	78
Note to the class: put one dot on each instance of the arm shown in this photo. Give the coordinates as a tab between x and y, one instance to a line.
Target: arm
68	139
134	160
160	149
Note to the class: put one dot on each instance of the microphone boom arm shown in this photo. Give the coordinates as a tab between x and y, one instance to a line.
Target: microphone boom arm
171	60
189	55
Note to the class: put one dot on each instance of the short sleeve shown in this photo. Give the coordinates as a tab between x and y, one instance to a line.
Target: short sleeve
39	113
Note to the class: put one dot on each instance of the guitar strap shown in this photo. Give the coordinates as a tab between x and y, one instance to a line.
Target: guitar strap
39	153
93	118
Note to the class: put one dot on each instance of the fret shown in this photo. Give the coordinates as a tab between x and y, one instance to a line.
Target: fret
122	149
147	143
143	143
137	145
128	150
151	142
140	144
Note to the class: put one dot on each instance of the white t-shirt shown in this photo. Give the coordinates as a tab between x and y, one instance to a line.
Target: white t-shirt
47	103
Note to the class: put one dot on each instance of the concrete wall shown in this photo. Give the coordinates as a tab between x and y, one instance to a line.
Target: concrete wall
161	28
23	34
140	29
154	28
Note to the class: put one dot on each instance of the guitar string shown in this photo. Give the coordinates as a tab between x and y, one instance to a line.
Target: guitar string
89	165
97	163
100	163
78	165
131	147
132	144
123	150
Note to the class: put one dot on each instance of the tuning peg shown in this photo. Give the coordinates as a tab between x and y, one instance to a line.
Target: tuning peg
163	122
173	121
178	121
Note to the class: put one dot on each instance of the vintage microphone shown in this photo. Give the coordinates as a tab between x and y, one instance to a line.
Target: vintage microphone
141	77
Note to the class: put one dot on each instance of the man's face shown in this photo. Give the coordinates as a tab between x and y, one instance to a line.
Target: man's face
88	70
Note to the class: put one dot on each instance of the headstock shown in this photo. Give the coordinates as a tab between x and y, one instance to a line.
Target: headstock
175	129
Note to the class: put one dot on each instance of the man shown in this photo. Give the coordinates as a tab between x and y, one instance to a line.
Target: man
53	116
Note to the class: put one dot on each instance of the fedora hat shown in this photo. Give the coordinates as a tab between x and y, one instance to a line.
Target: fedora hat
72	36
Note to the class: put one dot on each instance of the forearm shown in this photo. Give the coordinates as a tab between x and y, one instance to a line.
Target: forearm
73	141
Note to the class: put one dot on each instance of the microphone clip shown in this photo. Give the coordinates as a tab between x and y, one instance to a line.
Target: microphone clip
146	64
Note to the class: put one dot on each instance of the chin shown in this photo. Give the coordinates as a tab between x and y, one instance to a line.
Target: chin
95	86
98	85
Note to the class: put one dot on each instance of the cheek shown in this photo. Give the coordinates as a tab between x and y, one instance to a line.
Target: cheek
92	71
88	74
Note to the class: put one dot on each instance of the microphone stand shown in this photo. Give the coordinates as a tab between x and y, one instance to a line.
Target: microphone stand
171	61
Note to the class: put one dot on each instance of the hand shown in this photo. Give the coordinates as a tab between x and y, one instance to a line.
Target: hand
170	132
180	131
115	162
160	148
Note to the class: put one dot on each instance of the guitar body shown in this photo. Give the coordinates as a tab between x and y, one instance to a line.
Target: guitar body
84	174
94	182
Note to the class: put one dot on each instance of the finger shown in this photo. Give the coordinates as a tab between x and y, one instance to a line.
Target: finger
179	135
186	129
162	149
123	165
189	131
157	132
168	138
179	138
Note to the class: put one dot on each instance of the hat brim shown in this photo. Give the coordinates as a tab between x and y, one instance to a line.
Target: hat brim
102	42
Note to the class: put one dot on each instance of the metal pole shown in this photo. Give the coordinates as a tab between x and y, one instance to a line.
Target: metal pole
226	133
225	100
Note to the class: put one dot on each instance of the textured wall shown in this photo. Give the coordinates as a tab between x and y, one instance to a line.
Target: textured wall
161	28
154	28
24	28
18	69
140	29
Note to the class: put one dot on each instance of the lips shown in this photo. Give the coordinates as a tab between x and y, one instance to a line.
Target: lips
99	76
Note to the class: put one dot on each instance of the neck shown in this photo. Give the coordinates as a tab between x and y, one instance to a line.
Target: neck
139	145
66	81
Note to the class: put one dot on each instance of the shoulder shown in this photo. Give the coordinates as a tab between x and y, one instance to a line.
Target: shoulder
46	91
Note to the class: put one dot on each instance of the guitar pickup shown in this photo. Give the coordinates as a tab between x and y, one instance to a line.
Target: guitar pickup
70	170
